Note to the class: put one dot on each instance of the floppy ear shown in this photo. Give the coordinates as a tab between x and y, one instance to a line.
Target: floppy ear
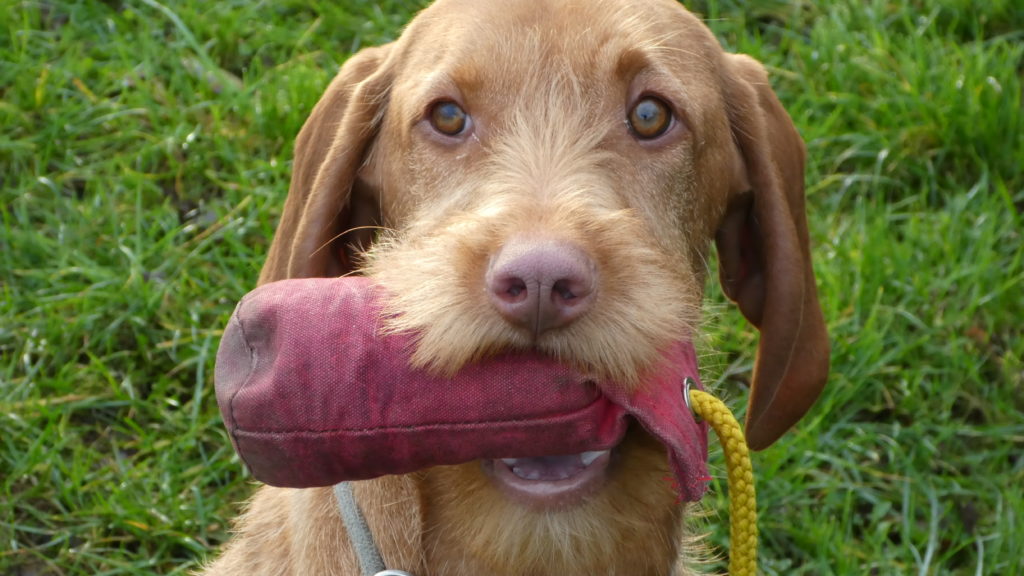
764	253
328	211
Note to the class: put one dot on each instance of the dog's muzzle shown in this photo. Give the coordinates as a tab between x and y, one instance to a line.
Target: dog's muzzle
313	393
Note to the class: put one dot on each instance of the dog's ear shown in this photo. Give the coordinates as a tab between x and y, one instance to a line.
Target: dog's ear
328	213
764	254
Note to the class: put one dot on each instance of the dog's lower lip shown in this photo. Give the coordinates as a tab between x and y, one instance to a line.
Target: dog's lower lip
552	481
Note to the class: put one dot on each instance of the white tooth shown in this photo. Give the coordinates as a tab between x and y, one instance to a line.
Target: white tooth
589	457
510	461
533	475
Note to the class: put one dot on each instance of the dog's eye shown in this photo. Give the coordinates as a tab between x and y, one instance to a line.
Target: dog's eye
650	118
448	118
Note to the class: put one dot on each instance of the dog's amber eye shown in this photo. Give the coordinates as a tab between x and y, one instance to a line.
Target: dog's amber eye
448	118
650	118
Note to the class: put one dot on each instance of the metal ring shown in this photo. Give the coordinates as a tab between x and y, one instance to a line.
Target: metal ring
689	383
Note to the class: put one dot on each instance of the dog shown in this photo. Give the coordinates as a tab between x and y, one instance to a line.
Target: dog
545	175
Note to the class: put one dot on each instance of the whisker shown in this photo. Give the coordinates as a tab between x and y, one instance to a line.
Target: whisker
353	229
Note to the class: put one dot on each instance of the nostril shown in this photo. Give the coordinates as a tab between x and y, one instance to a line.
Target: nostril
516	288
510	289
563	289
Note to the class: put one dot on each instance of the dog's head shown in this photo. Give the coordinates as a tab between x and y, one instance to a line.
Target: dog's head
550	175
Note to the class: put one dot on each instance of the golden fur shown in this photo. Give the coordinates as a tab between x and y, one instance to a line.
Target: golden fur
548	84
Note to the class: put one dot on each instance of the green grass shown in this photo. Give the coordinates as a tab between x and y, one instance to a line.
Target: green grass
144	154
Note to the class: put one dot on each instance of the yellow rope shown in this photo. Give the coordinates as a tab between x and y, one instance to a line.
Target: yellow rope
742	500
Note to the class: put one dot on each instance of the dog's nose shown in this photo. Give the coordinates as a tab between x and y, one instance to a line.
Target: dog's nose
541	285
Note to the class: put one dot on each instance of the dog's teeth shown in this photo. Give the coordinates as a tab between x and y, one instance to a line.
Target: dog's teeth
510	461
531	475
589	457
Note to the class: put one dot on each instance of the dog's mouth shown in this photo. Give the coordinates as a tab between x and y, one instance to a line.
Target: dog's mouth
550	481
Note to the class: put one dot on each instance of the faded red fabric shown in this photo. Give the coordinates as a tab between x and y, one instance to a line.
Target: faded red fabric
312	394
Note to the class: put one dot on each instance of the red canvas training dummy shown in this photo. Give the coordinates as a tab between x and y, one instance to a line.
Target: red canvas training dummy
313	394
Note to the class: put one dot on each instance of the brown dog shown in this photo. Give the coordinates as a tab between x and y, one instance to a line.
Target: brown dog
551	174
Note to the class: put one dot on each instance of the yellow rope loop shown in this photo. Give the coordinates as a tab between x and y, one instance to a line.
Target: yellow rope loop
742	500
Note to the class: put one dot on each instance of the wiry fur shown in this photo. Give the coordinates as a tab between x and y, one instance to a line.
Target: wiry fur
553	183
548	85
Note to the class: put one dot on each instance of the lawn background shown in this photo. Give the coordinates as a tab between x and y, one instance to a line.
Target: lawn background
145	152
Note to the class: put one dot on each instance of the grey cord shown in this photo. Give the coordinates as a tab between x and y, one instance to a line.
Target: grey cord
370	562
